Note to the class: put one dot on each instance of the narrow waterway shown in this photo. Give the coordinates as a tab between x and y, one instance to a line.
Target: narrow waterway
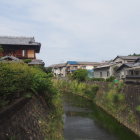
83	120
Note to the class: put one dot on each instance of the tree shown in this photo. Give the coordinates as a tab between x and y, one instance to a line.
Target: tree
48	70
80	75
134	54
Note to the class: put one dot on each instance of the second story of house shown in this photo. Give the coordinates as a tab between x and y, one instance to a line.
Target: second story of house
71	66
125	59
58	69
20	47
75	65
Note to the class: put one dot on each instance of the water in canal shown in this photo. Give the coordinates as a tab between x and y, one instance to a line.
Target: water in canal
83	120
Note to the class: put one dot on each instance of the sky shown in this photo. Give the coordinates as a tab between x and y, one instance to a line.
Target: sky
81	30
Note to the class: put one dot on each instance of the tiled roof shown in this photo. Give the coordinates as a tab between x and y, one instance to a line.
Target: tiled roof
82	63
127	57
106	65
11	58
88	63
58	65
17	41
72	62
36	62
127	65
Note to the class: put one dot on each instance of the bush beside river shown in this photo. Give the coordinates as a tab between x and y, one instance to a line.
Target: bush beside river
18	80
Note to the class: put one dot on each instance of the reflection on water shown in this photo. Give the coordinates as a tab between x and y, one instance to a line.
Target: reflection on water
85	121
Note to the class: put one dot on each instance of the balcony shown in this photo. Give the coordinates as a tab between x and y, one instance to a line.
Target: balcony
132	79
132	76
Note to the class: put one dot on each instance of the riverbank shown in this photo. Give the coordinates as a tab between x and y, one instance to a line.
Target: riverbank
30	105
91	122
109	97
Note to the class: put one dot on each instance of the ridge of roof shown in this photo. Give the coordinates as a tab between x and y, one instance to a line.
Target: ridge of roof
18	40
127	57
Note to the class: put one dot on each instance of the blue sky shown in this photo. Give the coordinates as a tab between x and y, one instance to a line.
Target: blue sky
84	30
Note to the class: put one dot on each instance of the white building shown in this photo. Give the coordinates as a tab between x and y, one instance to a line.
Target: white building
63	69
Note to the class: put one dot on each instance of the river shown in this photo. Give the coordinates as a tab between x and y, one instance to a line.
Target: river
83	120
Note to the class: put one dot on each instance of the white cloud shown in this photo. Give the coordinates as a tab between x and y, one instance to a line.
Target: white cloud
75	29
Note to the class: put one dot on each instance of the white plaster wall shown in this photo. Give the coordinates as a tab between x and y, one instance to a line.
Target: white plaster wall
89	67
63	71
104	73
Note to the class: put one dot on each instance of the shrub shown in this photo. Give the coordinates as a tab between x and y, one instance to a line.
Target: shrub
138	108
115	97
80	75
95	88
110	79
17	79
27	60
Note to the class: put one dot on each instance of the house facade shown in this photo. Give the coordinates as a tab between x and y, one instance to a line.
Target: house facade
20	47
71	66
128	70
116	68
122	72
104	71
59	70
133	73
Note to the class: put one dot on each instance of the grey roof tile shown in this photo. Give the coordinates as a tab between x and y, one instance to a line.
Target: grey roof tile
17	41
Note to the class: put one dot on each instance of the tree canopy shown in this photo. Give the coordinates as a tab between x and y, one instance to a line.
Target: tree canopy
80	75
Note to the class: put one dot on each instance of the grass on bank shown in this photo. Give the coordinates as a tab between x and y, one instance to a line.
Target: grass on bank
20	80
112	100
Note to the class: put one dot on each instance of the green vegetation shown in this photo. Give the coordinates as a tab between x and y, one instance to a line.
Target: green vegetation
53	127
110	79
101	118
20	80
138	108
77	87
17	79
134	54
27	60
110	97
48	70
80	75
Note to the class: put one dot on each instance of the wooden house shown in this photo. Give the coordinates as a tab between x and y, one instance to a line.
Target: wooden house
20	47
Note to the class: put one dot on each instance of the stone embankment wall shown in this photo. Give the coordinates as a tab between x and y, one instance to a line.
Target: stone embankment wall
132	99
22	120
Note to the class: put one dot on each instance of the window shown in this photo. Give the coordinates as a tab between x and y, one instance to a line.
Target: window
23	53
136	72
131	72
107	73
101	74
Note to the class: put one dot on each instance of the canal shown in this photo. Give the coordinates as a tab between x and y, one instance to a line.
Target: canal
83	120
